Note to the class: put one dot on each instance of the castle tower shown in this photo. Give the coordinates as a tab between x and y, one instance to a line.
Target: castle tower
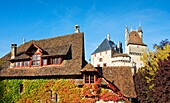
134	45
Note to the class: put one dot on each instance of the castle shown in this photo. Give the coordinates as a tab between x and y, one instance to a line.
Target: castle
110	54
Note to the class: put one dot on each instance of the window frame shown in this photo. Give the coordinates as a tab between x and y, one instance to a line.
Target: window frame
36	60
100	59
89	78
55	61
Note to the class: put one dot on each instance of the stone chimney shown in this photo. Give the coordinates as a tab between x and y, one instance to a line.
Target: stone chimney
77	29
13	50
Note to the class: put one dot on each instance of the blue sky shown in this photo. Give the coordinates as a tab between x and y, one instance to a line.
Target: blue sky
39	19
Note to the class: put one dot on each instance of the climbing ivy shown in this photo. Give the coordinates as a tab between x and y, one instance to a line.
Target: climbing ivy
36	90
50	91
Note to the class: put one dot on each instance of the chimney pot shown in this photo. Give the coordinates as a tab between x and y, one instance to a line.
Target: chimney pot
77	29
13	50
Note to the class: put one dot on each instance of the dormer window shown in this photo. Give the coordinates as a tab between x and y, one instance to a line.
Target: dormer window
35	56
56	60
44	61
36	60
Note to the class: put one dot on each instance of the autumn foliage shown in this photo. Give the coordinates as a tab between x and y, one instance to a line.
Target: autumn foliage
152	82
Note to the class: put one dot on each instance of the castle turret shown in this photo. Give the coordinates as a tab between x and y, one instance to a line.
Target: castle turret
108	37
126	37
120	47
140	32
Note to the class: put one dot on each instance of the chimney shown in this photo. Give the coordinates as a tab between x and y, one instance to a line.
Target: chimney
77	29
13	50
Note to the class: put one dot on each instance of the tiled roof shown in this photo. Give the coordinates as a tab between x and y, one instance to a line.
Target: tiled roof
105	45
123	79
21	56
89	68
134	38
60	50
70	66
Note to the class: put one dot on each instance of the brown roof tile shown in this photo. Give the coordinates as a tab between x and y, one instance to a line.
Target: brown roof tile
88	68
60	50
134	38
123	79
68	67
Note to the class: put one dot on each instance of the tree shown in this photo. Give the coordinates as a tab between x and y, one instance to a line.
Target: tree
162	43
152	81
151	60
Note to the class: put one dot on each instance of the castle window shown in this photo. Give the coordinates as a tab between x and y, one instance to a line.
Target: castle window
36	60
104	65
100	59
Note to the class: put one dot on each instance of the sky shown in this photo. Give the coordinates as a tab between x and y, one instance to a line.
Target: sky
40	19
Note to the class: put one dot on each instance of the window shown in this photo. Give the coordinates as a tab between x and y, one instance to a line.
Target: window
86	78
21	63
53	61
26	63
104	65
44	61
17	64
56	61
92	79
36	60
100	59
89	78
20	88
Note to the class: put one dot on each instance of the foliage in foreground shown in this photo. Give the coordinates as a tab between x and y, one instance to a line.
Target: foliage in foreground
38	90
153	81
50	91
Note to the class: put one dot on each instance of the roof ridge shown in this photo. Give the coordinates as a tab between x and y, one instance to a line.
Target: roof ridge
108	43
53	37
105	40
